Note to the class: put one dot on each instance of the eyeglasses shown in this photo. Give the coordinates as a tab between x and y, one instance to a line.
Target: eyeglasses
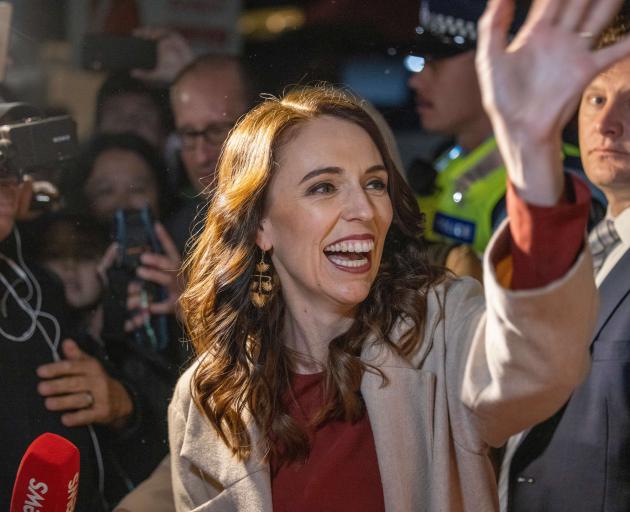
213	134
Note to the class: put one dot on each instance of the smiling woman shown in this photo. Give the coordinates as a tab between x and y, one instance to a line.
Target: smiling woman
310	181
337	369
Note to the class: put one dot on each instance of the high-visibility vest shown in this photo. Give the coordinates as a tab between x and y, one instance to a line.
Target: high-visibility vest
467	190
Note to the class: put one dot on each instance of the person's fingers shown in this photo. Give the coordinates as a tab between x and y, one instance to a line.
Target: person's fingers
168	245
544	11
607	56
161	277
107	261
160	261
63	386
571	18
137	321
599	15
134	302
181	47
134	288
61	368
166	307
154	33
74	401
72	351
79	418
25	195
494	25
141	74
129	326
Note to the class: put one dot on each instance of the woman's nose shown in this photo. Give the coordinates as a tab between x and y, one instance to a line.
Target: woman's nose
358	206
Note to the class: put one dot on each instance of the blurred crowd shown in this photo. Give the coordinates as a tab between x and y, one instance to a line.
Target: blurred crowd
103	250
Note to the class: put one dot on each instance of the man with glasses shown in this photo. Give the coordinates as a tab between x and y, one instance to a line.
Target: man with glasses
207	98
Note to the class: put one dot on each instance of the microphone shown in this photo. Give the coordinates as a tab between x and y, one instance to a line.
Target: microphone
48	477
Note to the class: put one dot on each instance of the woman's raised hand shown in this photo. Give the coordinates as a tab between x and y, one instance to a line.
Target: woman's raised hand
531	85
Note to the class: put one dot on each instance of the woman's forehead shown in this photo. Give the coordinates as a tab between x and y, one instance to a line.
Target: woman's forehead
326	140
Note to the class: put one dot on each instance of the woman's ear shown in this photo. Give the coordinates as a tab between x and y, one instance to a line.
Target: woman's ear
263	235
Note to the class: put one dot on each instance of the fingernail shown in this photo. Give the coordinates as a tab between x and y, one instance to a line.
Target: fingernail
41	371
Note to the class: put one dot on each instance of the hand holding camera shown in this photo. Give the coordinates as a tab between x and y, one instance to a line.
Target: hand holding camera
154	54
173	53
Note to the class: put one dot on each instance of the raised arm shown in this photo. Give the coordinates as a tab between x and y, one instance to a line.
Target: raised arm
531	85
533	348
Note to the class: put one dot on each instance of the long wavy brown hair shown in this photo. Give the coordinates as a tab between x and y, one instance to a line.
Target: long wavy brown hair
244	367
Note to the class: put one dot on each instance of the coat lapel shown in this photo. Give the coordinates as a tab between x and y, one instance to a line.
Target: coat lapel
210	456
612	291
400	415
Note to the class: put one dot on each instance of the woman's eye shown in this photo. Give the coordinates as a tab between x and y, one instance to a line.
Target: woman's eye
596	101
377	184
321	188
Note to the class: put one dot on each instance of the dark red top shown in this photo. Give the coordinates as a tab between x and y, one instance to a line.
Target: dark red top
341	473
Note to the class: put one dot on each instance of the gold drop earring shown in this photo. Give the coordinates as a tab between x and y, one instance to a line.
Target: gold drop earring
261	286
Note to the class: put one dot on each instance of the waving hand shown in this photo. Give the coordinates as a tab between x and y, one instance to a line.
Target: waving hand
532	84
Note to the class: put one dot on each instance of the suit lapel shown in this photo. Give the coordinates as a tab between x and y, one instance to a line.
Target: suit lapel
400	416
612	291
534	443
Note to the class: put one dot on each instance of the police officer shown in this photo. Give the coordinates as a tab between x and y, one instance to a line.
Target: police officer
468	198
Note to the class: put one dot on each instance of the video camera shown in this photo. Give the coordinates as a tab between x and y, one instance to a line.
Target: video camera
30	141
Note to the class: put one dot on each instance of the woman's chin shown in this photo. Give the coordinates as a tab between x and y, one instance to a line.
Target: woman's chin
352	296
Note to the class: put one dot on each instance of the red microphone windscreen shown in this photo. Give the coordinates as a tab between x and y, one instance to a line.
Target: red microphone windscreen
48	477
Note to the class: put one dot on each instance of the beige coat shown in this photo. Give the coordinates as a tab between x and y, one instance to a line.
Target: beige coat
481	374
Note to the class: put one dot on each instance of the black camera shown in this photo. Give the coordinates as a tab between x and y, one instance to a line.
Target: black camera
134	233
29	140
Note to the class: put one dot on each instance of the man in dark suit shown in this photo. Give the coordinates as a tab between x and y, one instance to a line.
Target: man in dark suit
579	460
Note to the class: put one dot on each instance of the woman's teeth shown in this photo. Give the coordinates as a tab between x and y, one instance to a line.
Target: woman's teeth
343	261
351	246
350	253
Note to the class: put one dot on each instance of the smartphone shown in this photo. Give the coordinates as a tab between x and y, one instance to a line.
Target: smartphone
134	233
112	52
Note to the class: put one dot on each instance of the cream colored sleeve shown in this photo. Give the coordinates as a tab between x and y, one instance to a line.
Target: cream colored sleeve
529	350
